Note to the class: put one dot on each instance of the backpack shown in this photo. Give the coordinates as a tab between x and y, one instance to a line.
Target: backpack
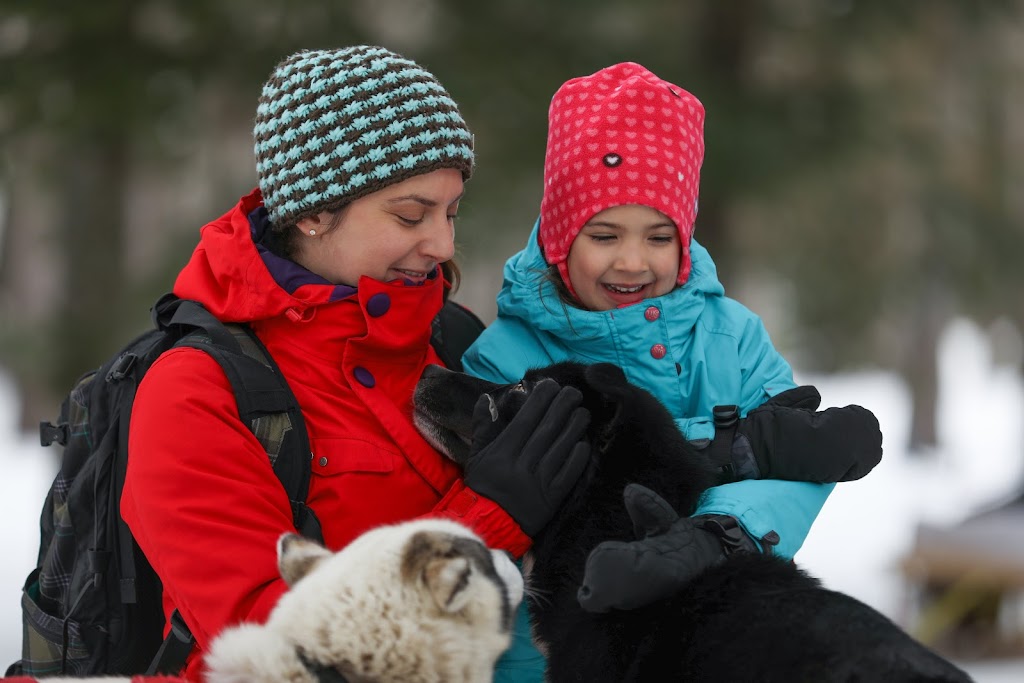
93	603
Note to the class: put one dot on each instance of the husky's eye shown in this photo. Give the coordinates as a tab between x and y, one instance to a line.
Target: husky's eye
520	387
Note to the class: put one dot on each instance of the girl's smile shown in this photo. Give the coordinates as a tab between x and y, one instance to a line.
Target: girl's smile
622	256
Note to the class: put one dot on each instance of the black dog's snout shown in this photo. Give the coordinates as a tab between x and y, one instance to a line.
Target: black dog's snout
434	372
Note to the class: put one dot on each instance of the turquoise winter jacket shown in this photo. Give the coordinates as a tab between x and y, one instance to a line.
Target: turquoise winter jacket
717	353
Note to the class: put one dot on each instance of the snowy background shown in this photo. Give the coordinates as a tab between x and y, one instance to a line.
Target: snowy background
856	543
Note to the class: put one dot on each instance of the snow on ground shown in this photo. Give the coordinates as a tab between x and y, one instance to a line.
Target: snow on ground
854	546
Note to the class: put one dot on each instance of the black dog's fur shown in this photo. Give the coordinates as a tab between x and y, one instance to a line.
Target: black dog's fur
753	618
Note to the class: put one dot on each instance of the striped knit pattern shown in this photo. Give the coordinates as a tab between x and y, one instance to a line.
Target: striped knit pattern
336	125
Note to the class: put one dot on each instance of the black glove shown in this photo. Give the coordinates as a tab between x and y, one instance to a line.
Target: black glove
529	467
787	438
669	553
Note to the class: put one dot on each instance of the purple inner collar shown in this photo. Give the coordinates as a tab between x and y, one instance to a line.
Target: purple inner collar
287	273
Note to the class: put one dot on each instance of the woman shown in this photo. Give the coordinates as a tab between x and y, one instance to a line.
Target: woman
339	262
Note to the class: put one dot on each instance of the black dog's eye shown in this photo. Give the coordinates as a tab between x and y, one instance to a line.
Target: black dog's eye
520	388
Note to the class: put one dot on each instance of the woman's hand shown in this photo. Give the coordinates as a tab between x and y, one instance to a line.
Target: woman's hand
529	466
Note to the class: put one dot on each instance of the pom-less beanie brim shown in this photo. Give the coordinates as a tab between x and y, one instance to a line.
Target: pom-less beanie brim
336	125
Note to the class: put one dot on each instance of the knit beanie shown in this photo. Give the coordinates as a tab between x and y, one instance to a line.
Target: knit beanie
620	136
335	125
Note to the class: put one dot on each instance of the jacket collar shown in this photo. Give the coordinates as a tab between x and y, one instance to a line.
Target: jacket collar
528	294
288	274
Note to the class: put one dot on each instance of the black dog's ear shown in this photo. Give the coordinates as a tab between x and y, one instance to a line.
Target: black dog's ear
606	378
611	382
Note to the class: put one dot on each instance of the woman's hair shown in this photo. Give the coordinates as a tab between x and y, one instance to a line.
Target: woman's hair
451	272
282	241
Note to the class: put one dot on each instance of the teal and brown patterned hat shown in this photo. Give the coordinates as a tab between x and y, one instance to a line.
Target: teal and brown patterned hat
335	125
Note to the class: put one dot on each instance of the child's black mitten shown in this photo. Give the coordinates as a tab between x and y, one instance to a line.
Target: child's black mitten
787	438
669	551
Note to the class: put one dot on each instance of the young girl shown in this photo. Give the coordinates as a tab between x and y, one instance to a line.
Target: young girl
339	262
611	273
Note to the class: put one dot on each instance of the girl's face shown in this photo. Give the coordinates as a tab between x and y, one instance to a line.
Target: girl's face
623	255
401	232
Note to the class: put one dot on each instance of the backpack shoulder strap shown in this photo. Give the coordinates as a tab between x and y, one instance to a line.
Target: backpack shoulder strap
265	404
268	407
455	328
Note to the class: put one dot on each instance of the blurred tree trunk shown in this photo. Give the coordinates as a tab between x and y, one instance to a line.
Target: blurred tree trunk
91	190
920	367
723	52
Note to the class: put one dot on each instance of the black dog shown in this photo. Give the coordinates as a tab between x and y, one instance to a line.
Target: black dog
753	618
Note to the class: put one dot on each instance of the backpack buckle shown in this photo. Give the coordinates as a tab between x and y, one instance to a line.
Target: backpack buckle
728	531
180	629
121	367
49	432
726	417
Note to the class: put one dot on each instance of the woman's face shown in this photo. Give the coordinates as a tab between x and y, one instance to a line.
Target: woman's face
401	232
623	255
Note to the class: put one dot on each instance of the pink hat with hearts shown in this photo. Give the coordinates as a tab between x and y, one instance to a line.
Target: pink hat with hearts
620	136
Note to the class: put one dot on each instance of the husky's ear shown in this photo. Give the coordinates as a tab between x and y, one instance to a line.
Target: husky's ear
297	556
436	560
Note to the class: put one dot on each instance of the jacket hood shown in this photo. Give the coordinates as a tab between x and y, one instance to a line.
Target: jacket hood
239	280
527	293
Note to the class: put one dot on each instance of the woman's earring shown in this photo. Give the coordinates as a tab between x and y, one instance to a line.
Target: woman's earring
312	231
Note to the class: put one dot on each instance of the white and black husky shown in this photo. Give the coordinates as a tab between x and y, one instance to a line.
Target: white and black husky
424	601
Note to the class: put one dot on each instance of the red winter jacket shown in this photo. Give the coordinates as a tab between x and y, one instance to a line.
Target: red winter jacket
200	495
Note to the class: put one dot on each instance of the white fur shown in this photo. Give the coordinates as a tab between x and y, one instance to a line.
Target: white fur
357	610
354	610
